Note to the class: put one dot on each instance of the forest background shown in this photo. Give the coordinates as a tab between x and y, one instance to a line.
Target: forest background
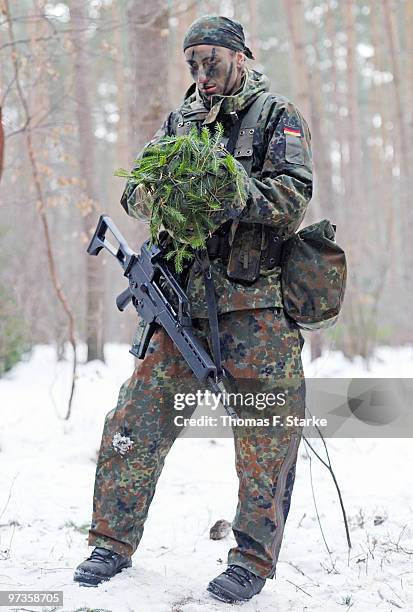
85	83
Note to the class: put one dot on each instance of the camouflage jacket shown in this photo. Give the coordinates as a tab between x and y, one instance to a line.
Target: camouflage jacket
279	186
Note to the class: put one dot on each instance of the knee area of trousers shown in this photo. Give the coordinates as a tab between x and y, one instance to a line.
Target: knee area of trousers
109	416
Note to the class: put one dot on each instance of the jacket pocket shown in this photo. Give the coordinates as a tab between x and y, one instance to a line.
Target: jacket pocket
294	152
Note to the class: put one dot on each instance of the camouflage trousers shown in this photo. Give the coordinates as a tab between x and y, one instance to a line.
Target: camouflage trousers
262	350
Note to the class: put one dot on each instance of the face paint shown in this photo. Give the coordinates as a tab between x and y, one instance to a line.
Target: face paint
228	79
211	68
214	69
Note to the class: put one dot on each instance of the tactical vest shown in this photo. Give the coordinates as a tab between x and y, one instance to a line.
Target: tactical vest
313	266
247	249
242	146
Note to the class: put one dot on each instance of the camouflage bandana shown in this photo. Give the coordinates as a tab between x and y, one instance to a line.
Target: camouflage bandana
217	30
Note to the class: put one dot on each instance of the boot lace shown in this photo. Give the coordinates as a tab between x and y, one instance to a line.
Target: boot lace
239	574
101	554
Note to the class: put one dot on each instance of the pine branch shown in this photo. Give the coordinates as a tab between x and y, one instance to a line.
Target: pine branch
187	178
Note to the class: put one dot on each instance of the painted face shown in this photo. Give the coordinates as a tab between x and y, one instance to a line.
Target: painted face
215	70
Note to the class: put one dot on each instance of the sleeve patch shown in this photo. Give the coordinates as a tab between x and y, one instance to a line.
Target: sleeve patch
292	131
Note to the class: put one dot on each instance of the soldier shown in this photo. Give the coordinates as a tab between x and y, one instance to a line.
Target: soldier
261	346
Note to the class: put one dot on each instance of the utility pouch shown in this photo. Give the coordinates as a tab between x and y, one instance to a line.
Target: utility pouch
244	260
313	276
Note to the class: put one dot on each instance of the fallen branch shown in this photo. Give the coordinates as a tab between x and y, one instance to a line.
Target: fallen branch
8	499
298	587
390	601
6	554
300	571
330	469
318	515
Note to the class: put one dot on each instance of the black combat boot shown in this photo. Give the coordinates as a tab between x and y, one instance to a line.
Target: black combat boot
236	584
102	565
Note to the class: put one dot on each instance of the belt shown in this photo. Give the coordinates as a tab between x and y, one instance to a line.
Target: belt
271	246
271	254
218	246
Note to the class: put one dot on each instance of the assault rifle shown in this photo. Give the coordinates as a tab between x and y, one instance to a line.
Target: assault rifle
148	273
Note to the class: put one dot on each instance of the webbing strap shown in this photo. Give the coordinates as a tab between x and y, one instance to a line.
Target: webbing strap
233	136
245	129
203	261
243	149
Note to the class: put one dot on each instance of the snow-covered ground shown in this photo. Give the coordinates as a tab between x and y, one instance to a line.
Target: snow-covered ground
46	482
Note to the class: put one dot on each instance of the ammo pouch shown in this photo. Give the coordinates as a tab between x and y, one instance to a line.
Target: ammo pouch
255	249
313	276
244	260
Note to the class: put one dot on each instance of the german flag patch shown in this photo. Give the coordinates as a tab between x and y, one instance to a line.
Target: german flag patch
292	131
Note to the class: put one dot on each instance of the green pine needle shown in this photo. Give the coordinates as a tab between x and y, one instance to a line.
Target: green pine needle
189	178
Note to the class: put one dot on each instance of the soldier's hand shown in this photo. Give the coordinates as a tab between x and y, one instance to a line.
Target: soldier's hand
234	210
141	205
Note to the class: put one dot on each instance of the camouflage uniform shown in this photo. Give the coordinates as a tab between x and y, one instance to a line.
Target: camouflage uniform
261	348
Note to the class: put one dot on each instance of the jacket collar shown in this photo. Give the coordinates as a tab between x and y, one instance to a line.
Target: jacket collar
254	84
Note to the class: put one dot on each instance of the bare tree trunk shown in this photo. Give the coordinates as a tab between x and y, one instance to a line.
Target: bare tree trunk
394	49
294	15
401	201
1	144
407	183
124	155
338	136
357	214
321	139
149	32
381	173
41	204
179	75
253	27
94	283
303	86
409	71
353	119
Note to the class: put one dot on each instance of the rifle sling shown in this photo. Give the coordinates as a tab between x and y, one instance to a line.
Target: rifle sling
251	118
204	263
